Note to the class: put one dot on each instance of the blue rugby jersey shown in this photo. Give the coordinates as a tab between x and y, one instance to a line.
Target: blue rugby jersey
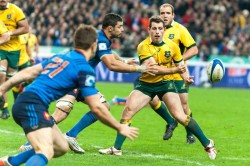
63	73
103	47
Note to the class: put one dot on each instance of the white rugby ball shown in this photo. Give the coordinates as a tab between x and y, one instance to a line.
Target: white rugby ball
215	70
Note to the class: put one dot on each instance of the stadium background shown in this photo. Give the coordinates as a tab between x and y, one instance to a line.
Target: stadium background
221	30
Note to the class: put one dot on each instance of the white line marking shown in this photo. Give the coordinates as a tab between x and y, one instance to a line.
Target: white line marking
139	155
11	132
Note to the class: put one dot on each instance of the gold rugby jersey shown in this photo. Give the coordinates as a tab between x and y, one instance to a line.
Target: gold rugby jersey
3	28
32	42
10	16
163	53
180	35
24	57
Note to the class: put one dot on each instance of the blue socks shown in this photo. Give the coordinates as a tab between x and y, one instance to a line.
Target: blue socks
37	160
21	157
85	121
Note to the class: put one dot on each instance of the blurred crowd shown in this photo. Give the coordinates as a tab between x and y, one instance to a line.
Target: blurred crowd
219	27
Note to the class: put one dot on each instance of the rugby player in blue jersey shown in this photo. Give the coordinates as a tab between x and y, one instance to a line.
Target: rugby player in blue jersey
112	27
54	78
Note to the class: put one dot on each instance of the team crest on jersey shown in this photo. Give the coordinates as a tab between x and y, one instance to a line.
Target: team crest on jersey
167	54
46	116
171	36
9	16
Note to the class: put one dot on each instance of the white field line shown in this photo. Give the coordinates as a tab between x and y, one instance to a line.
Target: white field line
139	155
11	132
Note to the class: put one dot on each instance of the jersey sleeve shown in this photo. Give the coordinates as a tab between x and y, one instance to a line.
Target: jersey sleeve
186	38
177	53
86	81
103	47
19	14
143	52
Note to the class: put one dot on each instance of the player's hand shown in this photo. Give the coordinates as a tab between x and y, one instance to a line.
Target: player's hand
147	69
180	69
189	80
129	132
132	61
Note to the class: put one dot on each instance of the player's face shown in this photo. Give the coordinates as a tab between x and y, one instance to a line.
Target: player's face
117	30
156	32
167	15
3	3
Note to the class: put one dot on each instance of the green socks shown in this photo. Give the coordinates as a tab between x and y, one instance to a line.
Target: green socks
196	130
162	110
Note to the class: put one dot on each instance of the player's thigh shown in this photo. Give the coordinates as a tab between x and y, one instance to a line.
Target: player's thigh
172	101
136	101
59	142
42	142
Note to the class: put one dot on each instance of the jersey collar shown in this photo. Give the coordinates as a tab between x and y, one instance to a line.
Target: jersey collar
156	44
171	25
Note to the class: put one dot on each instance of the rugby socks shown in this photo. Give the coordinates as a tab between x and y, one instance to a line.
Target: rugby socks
162	110
120	138
84	122
38	159
119	141
196	130
189	133
21	157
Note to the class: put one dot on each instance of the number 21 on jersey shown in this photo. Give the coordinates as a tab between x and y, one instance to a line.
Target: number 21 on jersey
56	66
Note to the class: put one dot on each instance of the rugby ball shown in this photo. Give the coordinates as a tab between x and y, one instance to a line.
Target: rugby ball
215	70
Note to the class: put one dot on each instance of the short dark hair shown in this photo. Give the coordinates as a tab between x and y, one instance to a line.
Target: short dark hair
111	19
156	19
85	36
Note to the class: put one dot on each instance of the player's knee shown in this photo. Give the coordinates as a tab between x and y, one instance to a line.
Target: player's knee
187	120
186	108
62	149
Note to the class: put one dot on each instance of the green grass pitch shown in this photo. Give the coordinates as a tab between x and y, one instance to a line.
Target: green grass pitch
223	114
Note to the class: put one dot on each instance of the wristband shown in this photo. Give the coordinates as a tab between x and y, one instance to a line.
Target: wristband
141	69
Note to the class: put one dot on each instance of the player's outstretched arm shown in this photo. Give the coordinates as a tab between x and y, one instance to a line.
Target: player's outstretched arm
105	117
26	74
